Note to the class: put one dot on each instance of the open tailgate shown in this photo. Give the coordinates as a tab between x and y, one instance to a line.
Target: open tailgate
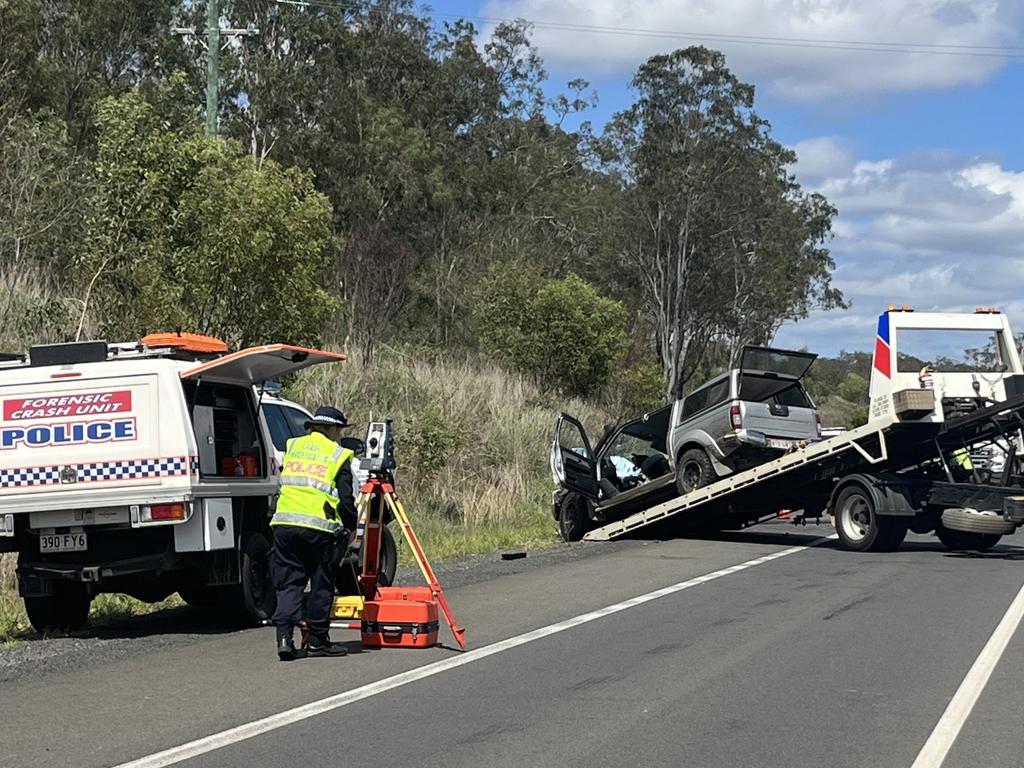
258	364
781	362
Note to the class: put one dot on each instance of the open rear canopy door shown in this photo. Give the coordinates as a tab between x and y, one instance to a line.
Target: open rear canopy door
781	362
259	364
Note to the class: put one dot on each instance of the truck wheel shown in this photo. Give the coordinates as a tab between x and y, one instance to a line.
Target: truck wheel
573	522
66	609
694	471
961	540
860	529
252	600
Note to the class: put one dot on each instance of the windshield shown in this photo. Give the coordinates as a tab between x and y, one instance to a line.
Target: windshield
950	351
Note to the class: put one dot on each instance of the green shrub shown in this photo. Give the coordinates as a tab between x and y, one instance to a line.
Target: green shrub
859	417
636	389
854	388
432	439
562	332
184	232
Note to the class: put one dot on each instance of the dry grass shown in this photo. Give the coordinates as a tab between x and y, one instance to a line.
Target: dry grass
8	562
105	610
33	311
472	443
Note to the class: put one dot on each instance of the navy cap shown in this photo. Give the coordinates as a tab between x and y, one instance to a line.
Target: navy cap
328	417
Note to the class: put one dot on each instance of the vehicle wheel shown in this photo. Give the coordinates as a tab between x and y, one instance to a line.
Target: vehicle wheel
971	521
252	600
860	529
961	540
694	471
388	558
66	609
345	581
573	521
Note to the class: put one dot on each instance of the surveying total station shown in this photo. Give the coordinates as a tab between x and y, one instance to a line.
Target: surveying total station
389	616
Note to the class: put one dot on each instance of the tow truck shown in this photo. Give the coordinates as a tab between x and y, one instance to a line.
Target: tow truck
907	469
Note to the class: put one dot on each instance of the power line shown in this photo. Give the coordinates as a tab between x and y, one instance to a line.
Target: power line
933	49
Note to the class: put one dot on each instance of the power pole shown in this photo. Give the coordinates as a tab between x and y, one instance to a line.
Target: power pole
213	46
212	64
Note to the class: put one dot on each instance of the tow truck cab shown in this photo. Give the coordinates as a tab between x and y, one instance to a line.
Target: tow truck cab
934	366
139	469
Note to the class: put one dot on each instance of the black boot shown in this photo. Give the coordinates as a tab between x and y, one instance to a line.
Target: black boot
321	645
285	644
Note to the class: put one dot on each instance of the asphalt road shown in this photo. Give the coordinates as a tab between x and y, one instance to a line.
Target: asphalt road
762	651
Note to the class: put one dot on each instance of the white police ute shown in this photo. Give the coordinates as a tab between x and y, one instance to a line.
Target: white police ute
146	468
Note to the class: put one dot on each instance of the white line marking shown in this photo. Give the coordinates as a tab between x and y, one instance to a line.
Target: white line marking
934	752
206	744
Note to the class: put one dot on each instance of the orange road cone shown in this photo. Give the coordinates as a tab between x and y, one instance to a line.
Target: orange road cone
783	514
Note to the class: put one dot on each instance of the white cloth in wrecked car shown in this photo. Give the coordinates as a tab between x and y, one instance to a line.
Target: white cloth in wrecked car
623	467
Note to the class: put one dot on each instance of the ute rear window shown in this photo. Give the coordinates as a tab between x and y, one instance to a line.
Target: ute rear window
763	389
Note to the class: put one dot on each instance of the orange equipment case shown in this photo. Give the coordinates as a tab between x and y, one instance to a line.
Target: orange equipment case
400	617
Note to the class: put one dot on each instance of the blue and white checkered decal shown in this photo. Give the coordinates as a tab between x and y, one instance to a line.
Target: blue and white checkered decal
129	469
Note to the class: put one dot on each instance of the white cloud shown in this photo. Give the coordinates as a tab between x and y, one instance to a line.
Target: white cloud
797	73
822	158
933	230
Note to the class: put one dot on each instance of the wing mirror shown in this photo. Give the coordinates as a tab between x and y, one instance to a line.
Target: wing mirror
354	444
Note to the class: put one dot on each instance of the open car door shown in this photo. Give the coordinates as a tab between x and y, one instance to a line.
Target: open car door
780	362
572	458
258	364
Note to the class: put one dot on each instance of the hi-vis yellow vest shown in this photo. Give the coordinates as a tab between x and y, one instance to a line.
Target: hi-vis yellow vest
307	483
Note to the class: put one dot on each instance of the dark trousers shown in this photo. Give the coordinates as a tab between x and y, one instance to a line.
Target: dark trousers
301	555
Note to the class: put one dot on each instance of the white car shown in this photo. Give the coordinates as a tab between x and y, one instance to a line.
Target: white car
286	419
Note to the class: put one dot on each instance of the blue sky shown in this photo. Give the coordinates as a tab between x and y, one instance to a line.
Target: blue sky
921	153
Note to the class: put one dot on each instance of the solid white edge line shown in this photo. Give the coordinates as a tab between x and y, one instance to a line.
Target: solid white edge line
943	736
215	741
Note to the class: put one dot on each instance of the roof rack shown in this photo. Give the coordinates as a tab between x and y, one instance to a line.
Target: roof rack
82	352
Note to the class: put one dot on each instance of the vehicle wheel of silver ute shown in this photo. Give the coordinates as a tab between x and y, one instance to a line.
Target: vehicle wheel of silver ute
573	522
694	470
859	527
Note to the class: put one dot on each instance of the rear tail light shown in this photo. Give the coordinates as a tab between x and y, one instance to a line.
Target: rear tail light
735	417
163	512
817	421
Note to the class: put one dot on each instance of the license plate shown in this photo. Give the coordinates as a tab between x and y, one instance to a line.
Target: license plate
774	442
63	542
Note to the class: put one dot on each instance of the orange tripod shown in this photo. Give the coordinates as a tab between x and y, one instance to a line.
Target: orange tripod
376	496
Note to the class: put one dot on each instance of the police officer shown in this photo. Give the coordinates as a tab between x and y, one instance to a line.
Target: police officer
315	507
